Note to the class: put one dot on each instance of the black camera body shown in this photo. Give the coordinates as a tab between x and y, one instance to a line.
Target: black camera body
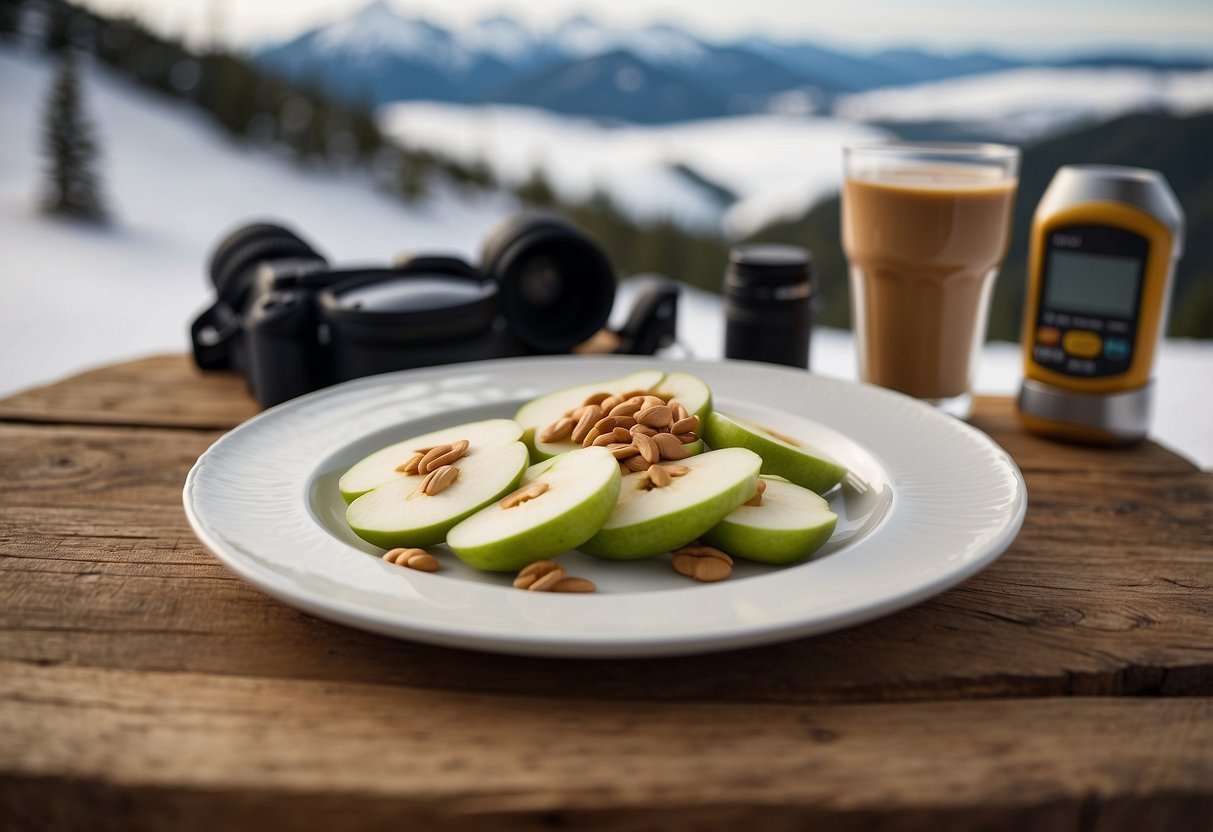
293	324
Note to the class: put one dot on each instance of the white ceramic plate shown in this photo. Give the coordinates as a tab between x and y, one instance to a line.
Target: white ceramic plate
930	501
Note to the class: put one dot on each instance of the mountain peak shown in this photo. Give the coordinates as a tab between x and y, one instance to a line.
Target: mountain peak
377	29
659	43
376	10
501	36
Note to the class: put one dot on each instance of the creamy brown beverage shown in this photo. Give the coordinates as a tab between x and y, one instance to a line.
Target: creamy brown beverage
924	245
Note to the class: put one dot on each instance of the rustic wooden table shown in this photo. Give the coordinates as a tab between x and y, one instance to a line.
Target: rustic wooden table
1068	686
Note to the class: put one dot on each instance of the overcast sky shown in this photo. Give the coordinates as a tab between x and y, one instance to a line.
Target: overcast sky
1025	26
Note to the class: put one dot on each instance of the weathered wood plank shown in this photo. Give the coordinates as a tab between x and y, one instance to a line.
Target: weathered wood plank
1108	590
189	749
168	391
163	391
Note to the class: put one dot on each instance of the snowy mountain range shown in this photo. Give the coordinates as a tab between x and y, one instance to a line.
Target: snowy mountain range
657	73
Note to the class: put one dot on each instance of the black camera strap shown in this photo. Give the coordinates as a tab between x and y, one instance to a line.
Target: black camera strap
212	334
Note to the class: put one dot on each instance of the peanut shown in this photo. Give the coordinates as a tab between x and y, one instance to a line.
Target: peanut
439	480
703	563
531	573
574	585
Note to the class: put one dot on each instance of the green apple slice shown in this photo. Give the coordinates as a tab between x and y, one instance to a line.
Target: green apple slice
399	514
647	522
782	455
790	524
582	487
540	412
691	390
380	467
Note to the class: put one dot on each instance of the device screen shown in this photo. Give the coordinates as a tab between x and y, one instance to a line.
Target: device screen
1091	290
1097	284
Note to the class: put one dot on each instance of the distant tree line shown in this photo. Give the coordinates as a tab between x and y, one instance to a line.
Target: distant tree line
261	108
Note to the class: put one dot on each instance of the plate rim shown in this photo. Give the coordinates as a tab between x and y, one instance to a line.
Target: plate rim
603	645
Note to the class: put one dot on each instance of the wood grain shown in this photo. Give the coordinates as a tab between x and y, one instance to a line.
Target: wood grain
1108	590
161	391
379	753
1067	687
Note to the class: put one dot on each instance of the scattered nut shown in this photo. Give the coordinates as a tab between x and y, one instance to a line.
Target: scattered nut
637	463
596	398
531	573
680	411
604	440
622	451
644	429
703	563
659	416
685	425
609	423
410	467
589	416
676	470
439	480
589	438
627	407
659	476
418	559
527	492
424	562
647	446
574	585
558	430
610	403
622	435
686	438
546	582
442	455
670	446
756	500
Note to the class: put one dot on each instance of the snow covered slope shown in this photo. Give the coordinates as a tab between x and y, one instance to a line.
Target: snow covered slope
76	296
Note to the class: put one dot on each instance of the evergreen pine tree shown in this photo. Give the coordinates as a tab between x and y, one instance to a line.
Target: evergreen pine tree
72	187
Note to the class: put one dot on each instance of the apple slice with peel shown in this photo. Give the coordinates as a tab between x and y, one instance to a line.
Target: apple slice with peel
380	467
399	513
692	391
783	455
558	509
790	523
648	521
540	412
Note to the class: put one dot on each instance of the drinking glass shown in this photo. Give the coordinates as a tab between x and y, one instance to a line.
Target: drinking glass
925	227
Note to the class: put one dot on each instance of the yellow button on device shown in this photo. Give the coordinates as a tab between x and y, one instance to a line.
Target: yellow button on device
1082	344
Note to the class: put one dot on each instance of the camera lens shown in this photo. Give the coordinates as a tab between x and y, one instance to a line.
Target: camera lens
768	294
234	257
557	286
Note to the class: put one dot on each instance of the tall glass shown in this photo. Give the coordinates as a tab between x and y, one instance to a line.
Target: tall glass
925	227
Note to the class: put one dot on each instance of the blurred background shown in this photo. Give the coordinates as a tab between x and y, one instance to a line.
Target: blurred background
136	133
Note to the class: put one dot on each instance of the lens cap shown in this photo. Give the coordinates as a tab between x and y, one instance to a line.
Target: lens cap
762	266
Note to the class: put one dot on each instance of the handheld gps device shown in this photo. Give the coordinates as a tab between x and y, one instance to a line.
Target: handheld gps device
1105	241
